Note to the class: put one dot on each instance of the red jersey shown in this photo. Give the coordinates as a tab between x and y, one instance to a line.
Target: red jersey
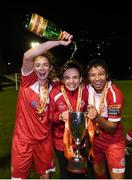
59	105
113	104
27	125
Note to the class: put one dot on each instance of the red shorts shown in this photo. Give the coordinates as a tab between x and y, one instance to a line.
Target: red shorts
113	153
24	155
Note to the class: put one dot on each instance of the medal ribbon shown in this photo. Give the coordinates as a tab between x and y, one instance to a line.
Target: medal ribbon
92	127
42	98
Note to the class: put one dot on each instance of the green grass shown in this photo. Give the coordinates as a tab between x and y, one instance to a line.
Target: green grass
7	116
126	88
8	98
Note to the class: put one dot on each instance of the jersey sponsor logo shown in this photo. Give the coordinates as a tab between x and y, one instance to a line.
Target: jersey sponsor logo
114	110
34	104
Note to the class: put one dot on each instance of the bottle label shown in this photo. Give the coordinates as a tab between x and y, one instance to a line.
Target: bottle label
37	24
44	28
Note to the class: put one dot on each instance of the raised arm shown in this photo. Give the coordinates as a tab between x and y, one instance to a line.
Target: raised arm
30	54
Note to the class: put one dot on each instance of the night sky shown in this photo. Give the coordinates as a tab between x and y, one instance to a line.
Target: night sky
96	28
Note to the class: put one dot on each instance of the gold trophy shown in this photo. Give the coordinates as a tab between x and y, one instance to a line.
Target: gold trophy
77	164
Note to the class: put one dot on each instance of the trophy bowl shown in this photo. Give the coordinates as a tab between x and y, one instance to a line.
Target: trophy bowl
77	164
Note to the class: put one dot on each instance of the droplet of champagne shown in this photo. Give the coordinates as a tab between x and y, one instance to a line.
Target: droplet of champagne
74	47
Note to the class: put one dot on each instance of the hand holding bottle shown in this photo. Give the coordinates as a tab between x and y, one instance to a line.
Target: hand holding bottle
44	28
66	38
47	29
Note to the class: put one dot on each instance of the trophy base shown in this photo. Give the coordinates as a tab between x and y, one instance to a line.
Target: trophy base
77	165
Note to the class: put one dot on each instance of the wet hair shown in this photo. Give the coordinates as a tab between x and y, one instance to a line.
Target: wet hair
97	62
71	64
49	56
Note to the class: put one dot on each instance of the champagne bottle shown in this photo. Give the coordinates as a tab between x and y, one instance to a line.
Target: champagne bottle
47	29
42	27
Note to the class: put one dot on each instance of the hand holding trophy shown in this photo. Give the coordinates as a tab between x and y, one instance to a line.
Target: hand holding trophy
77	126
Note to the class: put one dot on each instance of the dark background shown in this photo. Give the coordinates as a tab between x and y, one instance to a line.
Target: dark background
96	28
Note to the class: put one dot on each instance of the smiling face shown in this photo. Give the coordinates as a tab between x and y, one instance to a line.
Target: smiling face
98	78
42	68
71	79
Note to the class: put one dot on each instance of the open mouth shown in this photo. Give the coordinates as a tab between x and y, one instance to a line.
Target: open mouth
42	74
98	85
72	87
